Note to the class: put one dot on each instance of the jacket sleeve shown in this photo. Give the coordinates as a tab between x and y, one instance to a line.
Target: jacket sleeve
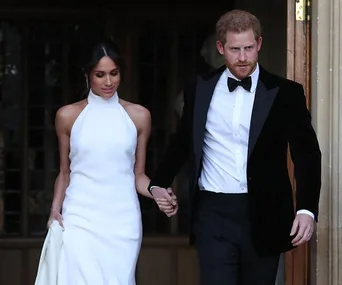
305	153
178	149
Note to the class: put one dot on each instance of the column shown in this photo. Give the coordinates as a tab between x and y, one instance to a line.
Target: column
326	253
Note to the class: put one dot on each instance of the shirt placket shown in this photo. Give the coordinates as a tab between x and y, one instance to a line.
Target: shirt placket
237	135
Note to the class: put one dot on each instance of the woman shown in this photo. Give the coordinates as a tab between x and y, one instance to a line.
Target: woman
102	144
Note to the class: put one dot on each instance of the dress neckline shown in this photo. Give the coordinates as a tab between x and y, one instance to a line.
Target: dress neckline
98	100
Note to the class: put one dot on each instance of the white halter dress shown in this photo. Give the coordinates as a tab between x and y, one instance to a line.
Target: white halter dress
101	210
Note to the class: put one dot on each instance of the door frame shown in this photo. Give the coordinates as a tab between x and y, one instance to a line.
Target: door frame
298	69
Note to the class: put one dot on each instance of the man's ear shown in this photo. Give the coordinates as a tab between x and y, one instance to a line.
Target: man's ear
220	47
259	43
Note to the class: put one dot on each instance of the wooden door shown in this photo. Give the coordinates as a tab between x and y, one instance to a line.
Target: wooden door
298	69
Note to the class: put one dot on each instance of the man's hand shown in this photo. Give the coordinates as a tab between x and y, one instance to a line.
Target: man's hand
302	229
166	200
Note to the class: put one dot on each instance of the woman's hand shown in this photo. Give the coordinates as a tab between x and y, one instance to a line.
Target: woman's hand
165	206
55	215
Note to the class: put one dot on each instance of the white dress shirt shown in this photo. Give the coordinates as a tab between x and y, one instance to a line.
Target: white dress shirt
226	136
225	147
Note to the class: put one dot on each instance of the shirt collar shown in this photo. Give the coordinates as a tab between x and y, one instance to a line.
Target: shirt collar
254	77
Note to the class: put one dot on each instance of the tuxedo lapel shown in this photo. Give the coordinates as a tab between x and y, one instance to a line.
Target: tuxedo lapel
264	97
204	92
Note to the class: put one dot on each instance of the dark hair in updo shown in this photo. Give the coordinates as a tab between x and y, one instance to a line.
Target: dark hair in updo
105	47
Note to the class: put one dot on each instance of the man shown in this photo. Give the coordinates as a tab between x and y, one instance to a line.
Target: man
236	126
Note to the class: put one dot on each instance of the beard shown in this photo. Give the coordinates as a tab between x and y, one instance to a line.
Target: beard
242	70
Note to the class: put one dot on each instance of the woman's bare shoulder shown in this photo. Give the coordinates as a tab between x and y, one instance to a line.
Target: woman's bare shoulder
67	115
70	111
138	113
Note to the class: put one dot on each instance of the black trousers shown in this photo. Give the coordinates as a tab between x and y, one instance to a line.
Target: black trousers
223	240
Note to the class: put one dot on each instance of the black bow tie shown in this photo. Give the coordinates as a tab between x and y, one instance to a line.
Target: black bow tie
246	83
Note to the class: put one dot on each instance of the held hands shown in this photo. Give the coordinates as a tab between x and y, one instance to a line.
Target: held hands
166	200
302	229
55	215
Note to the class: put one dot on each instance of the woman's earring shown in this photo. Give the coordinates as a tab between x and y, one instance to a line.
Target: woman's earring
87	82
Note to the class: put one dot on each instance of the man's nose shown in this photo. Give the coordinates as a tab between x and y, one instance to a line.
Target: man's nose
242	55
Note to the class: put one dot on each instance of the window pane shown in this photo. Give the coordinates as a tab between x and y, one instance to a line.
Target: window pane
45	82
39	94
12	160
154	47
37	209
10	128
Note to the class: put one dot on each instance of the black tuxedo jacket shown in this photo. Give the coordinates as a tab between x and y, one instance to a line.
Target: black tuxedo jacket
279	119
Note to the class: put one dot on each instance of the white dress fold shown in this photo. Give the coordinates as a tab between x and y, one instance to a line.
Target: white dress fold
49	258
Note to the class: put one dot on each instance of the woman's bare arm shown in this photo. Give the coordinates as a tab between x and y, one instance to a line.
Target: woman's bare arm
142	120
62	180
65	118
